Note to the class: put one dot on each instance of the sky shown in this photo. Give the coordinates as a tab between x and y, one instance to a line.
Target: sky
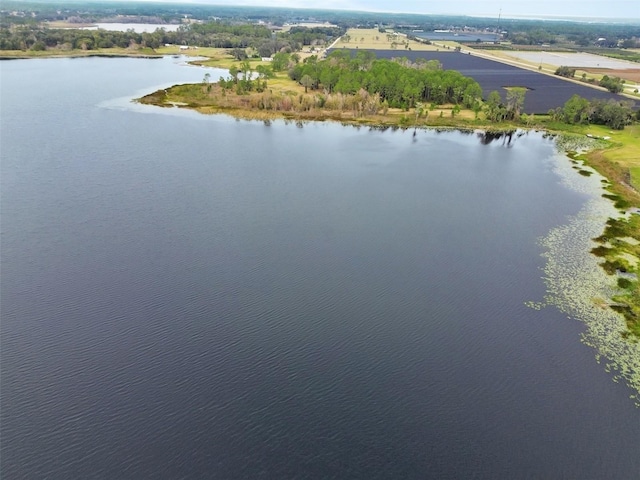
625	9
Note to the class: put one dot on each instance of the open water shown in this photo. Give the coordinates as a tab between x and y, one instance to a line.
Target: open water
198	297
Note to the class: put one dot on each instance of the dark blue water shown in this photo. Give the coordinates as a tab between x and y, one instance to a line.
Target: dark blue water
195	297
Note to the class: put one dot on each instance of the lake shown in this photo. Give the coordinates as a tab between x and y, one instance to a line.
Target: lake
447	35
189	296
136	27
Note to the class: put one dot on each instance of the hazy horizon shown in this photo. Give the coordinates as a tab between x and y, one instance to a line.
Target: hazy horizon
542	9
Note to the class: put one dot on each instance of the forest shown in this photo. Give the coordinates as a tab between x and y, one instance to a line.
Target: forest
400	83
580	111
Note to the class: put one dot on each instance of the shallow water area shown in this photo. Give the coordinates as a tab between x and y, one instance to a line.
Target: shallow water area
578	285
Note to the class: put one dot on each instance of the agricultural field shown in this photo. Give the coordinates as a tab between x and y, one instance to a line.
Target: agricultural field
627	74
372	39
544	92
594	66
458	36
573	60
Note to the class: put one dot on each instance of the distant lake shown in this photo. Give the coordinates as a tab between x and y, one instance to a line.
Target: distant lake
457	36
136	27
189	296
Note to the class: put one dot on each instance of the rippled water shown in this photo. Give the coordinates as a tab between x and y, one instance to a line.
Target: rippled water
195	297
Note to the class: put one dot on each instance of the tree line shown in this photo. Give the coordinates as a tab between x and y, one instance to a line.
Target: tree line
613	84
580	111
520	31
211	34
399	83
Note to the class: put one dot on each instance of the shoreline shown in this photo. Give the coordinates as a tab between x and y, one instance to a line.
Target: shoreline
578	286
619	257
578	283
604	157
105	53
583	149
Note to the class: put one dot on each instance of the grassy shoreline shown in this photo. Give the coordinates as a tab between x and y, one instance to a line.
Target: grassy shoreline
98	52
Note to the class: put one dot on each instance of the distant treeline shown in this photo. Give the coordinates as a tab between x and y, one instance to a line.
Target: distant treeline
400	83
613	84
519	31
211	34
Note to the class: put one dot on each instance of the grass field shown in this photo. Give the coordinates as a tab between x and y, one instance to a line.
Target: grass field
626	149
213	53
372	39
508	57
634	173
104	52
619	161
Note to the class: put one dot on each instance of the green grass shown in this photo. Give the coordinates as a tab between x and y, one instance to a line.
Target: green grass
105	52
634	173
618	255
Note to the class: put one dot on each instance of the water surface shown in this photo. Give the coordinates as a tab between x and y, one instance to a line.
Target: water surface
197	297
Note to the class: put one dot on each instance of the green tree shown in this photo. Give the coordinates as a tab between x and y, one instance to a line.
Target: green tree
233	71
515	101
239	53
613	114
264	71
613	84
493	107
420	110
565	71
306	82
280	61
576	110
205	81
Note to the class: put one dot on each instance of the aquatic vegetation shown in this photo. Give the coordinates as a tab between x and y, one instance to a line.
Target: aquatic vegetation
574	144
579	286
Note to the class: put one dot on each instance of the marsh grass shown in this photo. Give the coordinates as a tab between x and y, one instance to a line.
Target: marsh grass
619	247
634	177
98	52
